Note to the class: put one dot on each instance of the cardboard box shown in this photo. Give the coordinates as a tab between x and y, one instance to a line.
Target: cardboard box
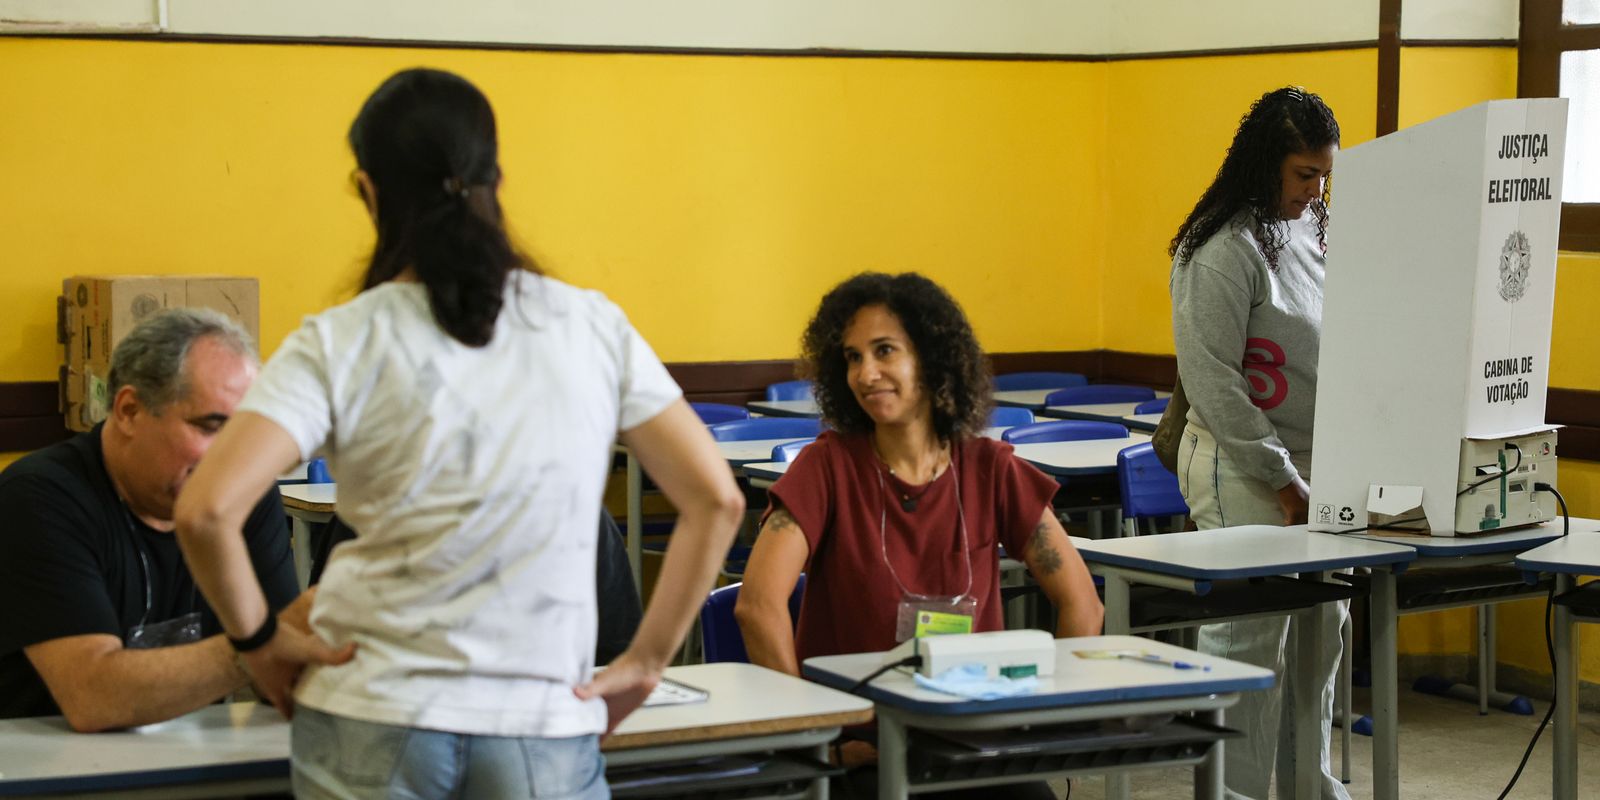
1436	319
95	312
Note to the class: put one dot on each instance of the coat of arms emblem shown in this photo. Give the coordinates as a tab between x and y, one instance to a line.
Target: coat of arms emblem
1515	259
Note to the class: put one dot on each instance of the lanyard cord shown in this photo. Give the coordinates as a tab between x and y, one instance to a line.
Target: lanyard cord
144	569
144	564
883	519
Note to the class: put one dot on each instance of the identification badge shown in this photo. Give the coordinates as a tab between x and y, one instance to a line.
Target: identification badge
924	615
183	630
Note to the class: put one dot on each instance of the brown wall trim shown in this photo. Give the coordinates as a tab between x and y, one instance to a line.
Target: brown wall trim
1388	66
346	41
30	415
1458	42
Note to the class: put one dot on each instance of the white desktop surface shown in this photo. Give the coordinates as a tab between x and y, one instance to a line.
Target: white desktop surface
310	496
1577	553
785	408
1026	398
745	700
1245	551
1142	422
1091	456
1077	681
738	454
1104	411
1034	398
1476	544
203	746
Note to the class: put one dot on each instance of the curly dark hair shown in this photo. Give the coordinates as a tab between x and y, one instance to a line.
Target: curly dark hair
1282	122
953	371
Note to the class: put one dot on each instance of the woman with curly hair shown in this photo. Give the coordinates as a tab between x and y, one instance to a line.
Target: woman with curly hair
898	510
1247	270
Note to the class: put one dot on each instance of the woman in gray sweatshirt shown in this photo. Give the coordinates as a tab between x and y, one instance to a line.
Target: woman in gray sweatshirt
1247	269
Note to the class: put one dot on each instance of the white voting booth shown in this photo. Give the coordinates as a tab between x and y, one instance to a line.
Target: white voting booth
1436	324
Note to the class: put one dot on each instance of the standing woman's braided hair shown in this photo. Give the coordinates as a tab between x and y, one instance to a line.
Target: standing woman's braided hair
1283	122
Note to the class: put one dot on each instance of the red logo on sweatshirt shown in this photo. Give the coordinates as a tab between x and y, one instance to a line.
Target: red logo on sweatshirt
1263	369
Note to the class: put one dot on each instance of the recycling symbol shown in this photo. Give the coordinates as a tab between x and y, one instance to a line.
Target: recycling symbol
1347	515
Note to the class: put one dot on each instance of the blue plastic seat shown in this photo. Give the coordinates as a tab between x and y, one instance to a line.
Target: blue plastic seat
713	413
1148	490
1156	406
1064	430
1018	381
788	450
1098	394
789	390
744	430
1010	417
719	631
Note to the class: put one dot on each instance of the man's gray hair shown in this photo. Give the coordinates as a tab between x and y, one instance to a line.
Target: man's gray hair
151	358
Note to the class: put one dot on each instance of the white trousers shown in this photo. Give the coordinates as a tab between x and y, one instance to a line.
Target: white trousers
1219	497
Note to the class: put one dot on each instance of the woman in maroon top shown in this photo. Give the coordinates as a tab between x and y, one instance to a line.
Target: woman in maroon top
898	509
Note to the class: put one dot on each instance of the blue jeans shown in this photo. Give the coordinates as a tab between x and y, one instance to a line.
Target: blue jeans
345	759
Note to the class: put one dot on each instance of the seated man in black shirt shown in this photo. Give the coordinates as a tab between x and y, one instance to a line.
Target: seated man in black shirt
99	617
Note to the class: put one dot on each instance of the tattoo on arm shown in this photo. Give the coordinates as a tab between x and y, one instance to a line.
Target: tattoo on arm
1045	559
780	519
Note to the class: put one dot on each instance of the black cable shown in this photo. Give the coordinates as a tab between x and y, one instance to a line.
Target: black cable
1383	525
1470	487
908	661
1549	646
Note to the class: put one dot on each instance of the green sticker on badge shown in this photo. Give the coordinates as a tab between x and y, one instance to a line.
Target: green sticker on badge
937	623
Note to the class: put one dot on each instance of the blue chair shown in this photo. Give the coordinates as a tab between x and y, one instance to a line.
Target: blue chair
713	413
788	450
1156	406
1010	417
1017	381
719	631
1064	430
744	430
789	390
1148	489
1098	394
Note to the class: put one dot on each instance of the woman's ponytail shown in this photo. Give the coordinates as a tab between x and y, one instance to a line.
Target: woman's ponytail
427	141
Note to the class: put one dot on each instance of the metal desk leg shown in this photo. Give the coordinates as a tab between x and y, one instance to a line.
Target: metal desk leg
1385	622
1565	780
893	783
1118	616
1485	658
300	544
1308	702
1118	786
1208	773
819	787
635	520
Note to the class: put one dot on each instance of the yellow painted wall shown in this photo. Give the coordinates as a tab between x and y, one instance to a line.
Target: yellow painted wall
1435	81
1170	124
715	198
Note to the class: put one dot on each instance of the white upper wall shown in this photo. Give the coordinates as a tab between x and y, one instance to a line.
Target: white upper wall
1155	26
79	15
1459	19
1043	27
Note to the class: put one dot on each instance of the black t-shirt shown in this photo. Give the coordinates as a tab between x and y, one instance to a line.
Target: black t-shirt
69	563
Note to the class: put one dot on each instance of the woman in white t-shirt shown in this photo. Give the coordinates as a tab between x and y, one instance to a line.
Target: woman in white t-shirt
467	405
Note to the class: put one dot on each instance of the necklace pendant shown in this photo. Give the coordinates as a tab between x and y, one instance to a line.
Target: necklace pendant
908	503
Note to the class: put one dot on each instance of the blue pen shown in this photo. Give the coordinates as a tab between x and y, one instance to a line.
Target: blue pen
1155	659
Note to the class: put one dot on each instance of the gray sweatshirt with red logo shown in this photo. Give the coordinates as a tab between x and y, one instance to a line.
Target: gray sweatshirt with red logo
1247	338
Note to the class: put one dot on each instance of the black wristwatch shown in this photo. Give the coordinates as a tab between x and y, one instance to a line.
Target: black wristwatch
256	640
